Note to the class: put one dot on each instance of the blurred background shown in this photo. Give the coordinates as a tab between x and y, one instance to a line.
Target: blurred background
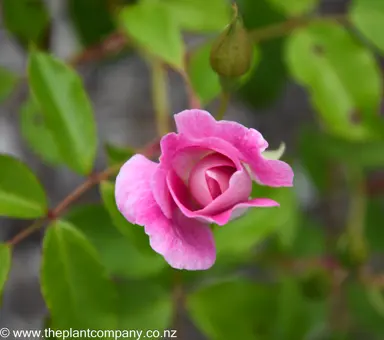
314	269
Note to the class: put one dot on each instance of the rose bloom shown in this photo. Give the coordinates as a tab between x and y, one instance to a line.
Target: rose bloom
204	176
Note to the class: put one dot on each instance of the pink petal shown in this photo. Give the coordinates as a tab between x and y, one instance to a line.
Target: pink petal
200	124
221	175
160	190
240	187
171	145
241	208
273	173
213	187
184	243
132	190
197	182
184	160
250	143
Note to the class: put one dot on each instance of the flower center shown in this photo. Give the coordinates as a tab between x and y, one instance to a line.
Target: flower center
210	178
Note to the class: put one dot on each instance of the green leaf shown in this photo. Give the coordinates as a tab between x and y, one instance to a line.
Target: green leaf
313	158
27	20
118	254
364	154
75	286
332	65
241	235
5	265
309	240
266	82
296	316
368	17
155	29
36	133
230	310
144	305
66	110
363	312
200	15
374	230
294	7
21	194
8	82
204	80
118	155
92	19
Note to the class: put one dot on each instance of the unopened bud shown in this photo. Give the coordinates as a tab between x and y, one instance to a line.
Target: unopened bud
232	52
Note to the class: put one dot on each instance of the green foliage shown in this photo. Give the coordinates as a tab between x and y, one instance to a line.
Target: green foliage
100	272
21	194
92	19
8	81
162	38
144	305
199	15
35	132
204	80
294	7
118	155
368	16
296	316
27	20
75	285
326	59
237	309
374	230
267	81
5	260
241	235
366	306
316	283
66	110
119	254
309	240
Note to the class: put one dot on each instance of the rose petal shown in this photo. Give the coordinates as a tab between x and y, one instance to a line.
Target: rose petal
160	190
239	209
221	175
240	187
213	187
171	144
184	243
201	124
197	182
250	143
184	160
132	190
274	173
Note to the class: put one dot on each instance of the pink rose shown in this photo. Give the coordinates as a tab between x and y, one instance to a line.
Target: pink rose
204	176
